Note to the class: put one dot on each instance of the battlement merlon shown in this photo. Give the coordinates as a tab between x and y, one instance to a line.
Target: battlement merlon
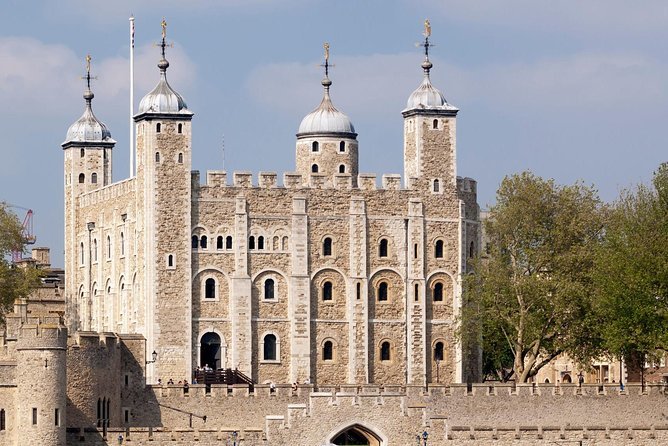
46	334
466	184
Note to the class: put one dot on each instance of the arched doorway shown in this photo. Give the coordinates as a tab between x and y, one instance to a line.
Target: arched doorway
357	435
210	350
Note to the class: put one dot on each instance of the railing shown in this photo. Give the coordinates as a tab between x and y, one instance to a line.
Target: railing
222	376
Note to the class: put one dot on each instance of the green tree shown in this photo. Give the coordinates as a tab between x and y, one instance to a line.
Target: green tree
15	282
530	297
632	273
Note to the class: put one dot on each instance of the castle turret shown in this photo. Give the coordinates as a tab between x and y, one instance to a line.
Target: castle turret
87	149
429	134
163	126
41	393
326	140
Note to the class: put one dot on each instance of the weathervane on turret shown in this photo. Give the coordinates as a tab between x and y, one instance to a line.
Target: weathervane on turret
326	65
426	65
163	43
88	94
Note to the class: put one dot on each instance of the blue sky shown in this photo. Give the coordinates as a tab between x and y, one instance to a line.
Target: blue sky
572	90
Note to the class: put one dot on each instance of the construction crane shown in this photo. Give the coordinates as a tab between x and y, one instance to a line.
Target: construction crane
27	234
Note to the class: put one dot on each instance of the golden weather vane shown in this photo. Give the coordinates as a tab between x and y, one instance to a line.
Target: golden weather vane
427	28
326	46
88	59
164	28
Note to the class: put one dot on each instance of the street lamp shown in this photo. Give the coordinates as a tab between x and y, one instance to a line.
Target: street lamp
154	355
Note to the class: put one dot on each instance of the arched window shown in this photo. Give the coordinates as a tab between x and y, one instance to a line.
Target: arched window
95	250
382	248
219	242
327	291
82	178
435	123
327	246
382	291
203	242
157	128
195	242
315	146
81	252
438	351
210	288
260	242
342	168
269	289
284	243
342	146
314	168
82	153
180	158
437	186
228	242
170	260
385	351
275	243
438	292
471	250
438	249
122	244
180	128
108	247
93	178
328	351
157	157
269	350
251	242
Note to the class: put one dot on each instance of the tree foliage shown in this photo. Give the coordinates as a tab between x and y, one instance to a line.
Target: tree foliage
632	272
15	282
531	298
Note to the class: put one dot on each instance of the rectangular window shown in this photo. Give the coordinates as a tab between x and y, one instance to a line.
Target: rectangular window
34	416
127	380
57	417
2	420
126	415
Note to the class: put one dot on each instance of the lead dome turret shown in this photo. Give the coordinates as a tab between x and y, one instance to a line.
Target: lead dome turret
88	128
163	99
325	118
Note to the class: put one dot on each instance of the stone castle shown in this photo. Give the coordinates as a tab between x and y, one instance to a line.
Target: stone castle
349	289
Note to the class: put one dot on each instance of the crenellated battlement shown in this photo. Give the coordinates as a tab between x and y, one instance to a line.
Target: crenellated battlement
466	184
108	192
47	333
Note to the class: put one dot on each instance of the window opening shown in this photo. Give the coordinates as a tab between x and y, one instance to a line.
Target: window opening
82	178
228	242
34	415
269	353
82	153
327	291
170	260
95	250
315	146
385	351
359	290
438	249
108	247
438	292
438	351
260	242
314	168
157	127
3	425
435	123
219	242
157	157
56	421
210	288
180	159
269	289
328	351
203	242
437	186
93	178
122	244
342	146
327	247
342	168
382	291
180	128
415	251
382	248
195	242
417	292
471	250
251	242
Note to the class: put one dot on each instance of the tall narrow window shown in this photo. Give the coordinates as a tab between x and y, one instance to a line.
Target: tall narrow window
342	146
438	292
251	242
382	291
438	351
157	157
260	242
170	261
3	424
328	351
157	127
342	168
327	246
34	415
327	291
228	242
275	243
315	146
435	123
108	247
83	255
180	158
385	351
82	178
195	242
99	411
415	250
359	291
56	417
269	353
284	243
203	242
417	292
180	128
93	178
210	288
438	249
314	168
437	186
269	289
219	242
82	153
382	248
471	250
122	244
95	250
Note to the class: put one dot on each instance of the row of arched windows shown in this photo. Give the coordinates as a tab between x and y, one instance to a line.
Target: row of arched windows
179	158
315	146
259	242
103	406
158	128
93	178
315	168
203	242
94	249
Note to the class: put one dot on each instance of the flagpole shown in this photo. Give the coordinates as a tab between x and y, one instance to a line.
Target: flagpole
132	95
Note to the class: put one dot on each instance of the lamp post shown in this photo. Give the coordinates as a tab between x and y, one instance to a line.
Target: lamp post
154	355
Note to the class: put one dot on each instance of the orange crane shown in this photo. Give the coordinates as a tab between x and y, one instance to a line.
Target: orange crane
26	233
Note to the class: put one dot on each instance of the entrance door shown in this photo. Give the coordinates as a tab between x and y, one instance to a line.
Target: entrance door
210	351
357	436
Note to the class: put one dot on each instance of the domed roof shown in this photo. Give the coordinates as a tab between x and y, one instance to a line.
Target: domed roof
163	99
426	96
326	118
88	128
